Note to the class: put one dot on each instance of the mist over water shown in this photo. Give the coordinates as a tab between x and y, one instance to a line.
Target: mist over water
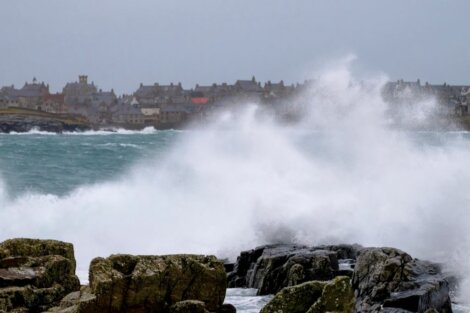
344	174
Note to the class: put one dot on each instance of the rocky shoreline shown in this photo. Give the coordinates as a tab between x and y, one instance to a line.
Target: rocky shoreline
27	123
23	123
39	276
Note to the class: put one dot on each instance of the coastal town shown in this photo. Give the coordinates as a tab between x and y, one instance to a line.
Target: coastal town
172	106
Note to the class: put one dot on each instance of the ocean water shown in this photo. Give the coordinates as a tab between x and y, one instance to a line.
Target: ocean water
245	300
56	164
344	174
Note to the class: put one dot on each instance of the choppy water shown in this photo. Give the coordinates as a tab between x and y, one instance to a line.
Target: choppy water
56	164
246	300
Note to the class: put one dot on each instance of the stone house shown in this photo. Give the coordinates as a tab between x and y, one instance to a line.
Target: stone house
78	95
80	88
53	103
248	90
174	114
272	91
151	115
213	92
8	101
159	94
248	86
171	90
127	111
101	104
146	91
30	96
85	99
199	98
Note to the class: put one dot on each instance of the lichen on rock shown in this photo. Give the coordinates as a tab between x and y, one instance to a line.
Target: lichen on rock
314	297
35	274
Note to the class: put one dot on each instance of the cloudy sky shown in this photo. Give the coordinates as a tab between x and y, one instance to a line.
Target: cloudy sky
122	43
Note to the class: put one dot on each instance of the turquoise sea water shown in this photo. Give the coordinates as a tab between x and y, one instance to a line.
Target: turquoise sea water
56	164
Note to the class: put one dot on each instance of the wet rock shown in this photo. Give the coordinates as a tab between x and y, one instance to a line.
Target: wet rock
24	123
245	262
273	272
227	308
35	274
273	267
229	267
343	251
392	279
314	297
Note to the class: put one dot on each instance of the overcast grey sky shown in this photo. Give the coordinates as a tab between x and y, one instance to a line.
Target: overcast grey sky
122	43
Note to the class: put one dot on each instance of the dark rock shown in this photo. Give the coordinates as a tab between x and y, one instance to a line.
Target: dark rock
244	263
343	251
227	308
229	267
272	267
393	279
24	123
35	274
274	272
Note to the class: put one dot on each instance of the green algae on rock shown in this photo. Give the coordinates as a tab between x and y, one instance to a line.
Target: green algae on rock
128	283
35	274
314	297
337	296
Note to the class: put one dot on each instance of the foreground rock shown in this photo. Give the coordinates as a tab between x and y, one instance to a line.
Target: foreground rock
35	274
126	283
273	267
392	279
314	297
